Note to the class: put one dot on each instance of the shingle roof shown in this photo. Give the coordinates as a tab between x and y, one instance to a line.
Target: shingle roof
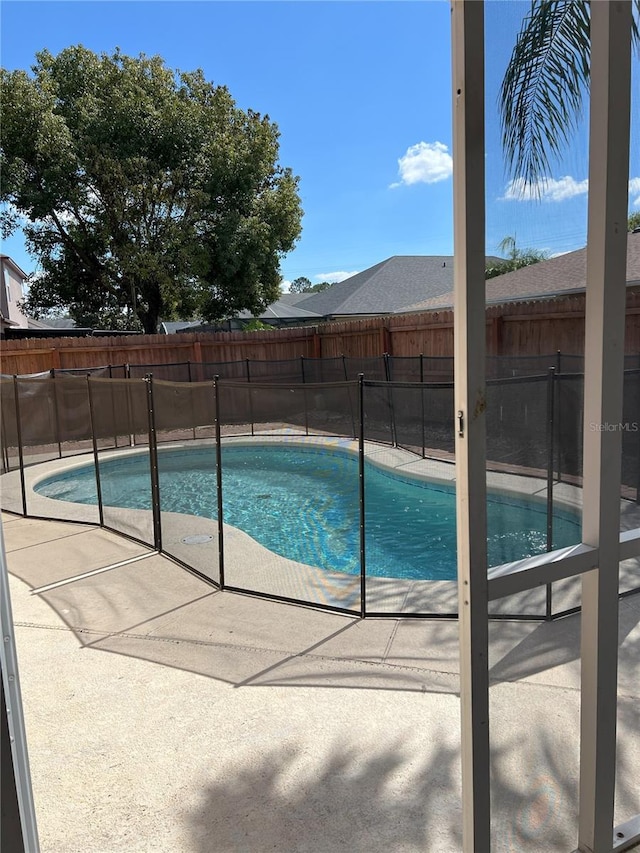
52	323
386	287
294	298
563	274
281	310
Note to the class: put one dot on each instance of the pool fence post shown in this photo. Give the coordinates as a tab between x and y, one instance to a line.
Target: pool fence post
246	361
353	419
127	376
113	409
20	448
550	453
637	425
219	483
304	393
4	440
422	405
153	466
56	416
94	441
392	415
363	564
387	366
558	413
191	405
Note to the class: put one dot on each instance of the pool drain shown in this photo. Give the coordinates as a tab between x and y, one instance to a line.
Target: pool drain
197	539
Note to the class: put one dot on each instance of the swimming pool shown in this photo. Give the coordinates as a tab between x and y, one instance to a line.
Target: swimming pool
302	502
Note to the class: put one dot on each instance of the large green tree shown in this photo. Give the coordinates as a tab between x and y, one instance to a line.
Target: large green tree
544	84
144	193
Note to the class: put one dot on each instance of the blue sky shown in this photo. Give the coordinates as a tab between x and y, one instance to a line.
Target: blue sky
361	94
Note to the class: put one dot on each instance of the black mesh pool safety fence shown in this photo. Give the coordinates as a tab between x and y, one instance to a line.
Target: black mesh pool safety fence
419	368
423	369
207	471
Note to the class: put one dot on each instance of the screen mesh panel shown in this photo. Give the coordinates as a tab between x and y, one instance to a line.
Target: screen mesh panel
120	408
183	412
178	372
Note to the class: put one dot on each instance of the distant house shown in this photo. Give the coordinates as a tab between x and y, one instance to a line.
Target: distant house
173	327
559	276
386	288
52	323
11	291
390	287
283	312
279	314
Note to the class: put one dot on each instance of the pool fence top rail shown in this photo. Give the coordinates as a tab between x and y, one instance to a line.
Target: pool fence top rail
527	328
417	368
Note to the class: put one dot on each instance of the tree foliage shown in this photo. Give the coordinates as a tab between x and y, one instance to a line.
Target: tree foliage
543	87
303	285
300	285
515	260
144	193
634	221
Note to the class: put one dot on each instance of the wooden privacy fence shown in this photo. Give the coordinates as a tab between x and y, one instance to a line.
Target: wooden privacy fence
537	327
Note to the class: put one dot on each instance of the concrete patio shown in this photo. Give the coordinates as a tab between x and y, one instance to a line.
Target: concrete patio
163	715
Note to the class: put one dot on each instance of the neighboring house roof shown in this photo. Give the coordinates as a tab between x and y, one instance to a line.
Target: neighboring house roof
278	312
555	276
52	323
6	260
281	310
387	287
294	298
171	327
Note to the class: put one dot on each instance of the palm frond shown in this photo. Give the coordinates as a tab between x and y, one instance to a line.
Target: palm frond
542	90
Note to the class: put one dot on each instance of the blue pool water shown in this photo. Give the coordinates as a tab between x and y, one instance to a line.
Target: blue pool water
302	503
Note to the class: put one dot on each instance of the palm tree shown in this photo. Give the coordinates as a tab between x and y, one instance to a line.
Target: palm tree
543	86
515	259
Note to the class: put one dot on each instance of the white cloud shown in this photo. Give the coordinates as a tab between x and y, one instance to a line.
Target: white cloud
285	284
546	189
559	189
424	163
333	277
